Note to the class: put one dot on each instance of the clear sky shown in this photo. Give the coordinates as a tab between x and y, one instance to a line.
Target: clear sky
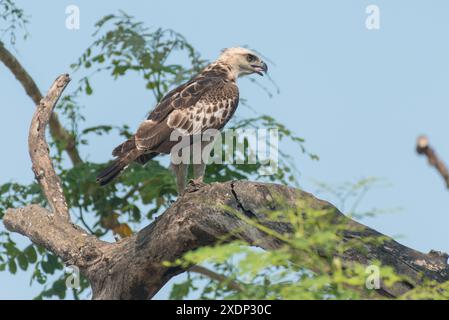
359	97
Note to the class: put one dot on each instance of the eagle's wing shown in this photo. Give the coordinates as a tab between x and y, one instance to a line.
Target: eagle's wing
203	103
200	104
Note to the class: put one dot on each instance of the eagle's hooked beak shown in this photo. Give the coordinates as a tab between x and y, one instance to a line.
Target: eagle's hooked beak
260	68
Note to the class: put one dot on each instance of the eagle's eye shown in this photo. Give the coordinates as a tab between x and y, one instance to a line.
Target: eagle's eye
251	58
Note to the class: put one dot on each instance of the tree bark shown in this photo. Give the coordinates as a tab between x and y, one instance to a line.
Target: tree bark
133	267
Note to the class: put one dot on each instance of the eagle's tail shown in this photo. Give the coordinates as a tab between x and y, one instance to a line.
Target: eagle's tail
125	153
112	171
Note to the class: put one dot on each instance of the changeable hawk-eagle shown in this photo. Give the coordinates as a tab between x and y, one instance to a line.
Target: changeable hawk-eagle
207	101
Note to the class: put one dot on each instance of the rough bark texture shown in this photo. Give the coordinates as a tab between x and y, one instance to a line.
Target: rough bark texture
132	268
38	149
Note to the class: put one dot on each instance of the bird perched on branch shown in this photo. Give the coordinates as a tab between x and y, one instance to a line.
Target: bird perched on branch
207	101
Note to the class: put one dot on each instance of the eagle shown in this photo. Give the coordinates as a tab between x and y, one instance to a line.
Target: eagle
207	101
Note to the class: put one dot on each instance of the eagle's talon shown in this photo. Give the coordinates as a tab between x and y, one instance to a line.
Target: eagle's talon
195	184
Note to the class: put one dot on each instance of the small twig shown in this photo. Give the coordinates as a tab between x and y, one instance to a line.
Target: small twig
423	147
217	277
359	199
81	218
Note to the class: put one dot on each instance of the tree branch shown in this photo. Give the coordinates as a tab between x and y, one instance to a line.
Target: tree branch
423	147
217	277
195	220
71	243
133	268
53	230
56	129
38	149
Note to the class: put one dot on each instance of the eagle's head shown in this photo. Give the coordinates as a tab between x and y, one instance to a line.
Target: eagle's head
243	61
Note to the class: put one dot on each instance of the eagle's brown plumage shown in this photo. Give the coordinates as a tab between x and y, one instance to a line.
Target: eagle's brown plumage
207	101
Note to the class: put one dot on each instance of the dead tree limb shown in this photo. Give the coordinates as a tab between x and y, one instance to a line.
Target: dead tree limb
133	267
57	131
38	149
423	147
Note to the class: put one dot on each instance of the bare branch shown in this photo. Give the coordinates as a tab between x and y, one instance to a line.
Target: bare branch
53	230
56	129
71	243
38	148
423	147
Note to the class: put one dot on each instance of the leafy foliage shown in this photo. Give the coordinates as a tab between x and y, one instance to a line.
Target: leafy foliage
14	20
130	46
430	290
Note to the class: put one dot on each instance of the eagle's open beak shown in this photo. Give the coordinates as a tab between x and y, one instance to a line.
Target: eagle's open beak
260	69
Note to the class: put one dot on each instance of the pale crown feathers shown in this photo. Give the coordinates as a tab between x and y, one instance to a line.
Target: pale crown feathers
242	61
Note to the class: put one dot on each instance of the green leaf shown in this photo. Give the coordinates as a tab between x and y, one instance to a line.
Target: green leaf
30	253
50	264
12	266
88	88
180	291
23	262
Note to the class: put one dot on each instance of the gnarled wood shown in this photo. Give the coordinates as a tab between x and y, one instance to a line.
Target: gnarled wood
38	148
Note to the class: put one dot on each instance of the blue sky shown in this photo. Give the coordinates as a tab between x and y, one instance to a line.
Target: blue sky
359	97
